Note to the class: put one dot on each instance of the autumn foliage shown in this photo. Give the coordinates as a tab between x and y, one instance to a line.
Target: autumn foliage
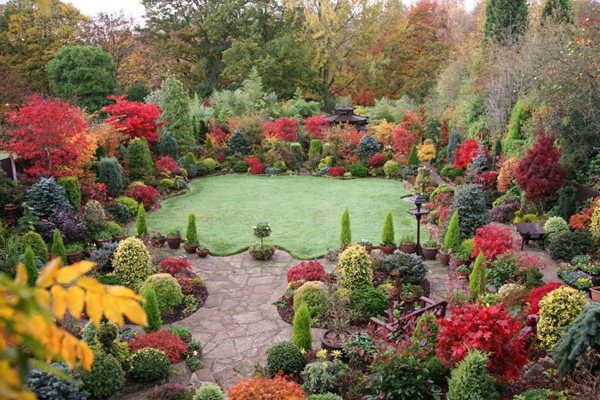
538	294
166	165
144	194
51	135
256	166
134	119
489	329
492	240
307	271
161	340
539	174
175	265
266	389
285	129
404	140
315	126
464	155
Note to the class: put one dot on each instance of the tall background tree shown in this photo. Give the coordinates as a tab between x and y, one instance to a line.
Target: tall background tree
505	20
176	114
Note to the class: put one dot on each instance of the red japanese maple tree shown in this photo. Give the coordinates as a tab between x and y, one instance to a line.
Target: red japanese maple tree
315	126
464	155
492	240
285	129
539	174
161	340
50	134
134	118
489	329
404	139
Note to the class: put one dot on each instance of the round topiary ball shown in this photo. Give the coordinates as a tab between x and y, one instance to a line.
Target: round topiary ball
558	309
408	267
167	289
284	357
37	244
316	296
106	334
149	365
209	391
355	267
555	226
105	379
132	262
367	302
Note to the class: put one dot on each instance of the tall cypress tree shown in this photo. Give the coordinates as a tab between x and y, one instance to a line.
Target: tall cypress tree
505	20
176	113
346	234
58	247
32	270
558	10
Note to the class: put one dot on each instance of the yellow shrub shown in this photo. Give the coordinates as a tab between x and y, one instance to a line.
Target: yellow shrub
558	309
595	224
132	262
426	151
355	267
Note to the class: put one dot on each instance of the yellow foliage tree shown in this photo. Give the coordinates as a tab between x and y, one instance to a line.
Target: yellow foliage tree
383	131
426	151
29	335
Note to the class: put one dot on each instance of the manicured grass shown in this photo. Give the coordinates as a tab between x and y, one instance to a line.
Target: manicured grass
304	211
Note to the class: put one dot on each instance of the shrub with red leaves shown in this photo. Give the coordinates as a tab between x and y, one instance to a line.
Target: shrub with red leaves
166	165
493	240
307	271
285	129
464	155
186	283
337	171
256	166
376	161
539	174
221	158
489	329
315	126
538	294
134	118
175	265
94	191
487	180
161	340
277	388
144	194
404	140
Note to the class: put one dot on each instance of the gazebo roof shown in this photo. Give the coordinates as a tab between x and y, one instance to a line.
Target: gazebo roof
345	114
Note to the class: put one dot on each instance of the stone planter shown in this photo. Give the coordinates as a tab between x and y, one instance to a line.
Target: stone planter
410	248
330	342
595	293
174	242
190	248
429	253
444	257
387	249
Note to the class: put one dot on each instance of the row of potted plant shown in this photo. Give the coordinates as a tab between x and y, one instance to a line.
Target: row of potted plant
174	239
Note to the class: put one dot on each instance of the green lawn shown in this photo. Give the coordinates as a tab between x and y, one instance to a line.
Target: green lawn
304	211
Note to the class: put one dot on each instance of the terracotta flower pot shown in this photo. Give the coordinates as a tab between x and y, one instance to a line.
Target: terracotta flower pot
174	242
190	248
387	249
408	248
201	252
595	293
444	257
429	253
158	242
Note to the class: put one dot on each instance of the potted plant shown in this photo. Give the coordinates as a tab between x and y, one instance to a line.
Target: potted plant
101	238
157	239
202	251
191	236
262	251
444	255
408	294
339	320
174	239
367	244
463	270
388	243
462	255
429	250
595	293
74	252
407	244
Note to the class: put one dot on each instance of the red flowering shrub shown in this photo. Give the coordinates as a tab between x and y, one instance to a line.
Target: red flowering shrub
134	118
464	155
307	271
175	265
493	240
277	388
539	174
315	126
94	191
489	329
376	161
161	340
144	194
538	294
487	180
285	129
256	166
337	171
166	165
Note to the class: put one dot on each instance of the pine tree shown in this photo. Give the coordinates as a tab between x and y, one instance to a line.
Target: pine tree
139	159
346	234
176	113
191	235
301	334
30	266
413	159
388	235
58	247
558	10
477	277
453	144
151	309
452	236
505	20
140	224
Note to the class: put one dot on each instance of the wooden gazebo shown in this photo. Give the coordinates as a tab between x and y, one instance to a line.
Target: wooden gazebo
344	114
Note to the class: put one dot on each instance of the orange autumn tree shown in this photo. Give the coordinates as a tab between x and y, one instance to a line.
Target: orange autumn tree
29	335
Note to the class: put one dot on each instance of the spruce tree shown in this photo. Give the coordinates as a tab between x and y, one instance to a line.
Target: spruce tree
453	144
176	113
301	334
505	20
388	235
139	159
151	309
191	235
58	247
558	10
452	236
30	266
413	159
346	234
140	224
477	277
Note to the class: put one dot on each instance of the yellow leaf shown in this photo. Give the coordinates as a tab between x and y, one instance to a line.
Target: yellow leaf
68	350
21	276
67	274
47	273
76	297
85	354
112	311
42	296
90	284
93	307
59	301
134	312
122	291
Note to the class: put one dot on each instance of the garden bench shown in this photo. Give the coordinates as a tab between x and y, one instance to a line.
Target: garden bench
406	323
531	231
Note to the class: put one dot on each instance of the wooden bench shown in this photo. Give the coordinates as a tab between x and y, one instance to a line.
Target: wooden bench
404	325
530	231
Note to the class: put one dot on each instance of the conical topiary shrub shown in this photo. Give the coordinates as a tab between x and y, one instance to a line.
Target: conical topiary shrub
140	224
58	247
452	238
301	334
346	234
388	235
